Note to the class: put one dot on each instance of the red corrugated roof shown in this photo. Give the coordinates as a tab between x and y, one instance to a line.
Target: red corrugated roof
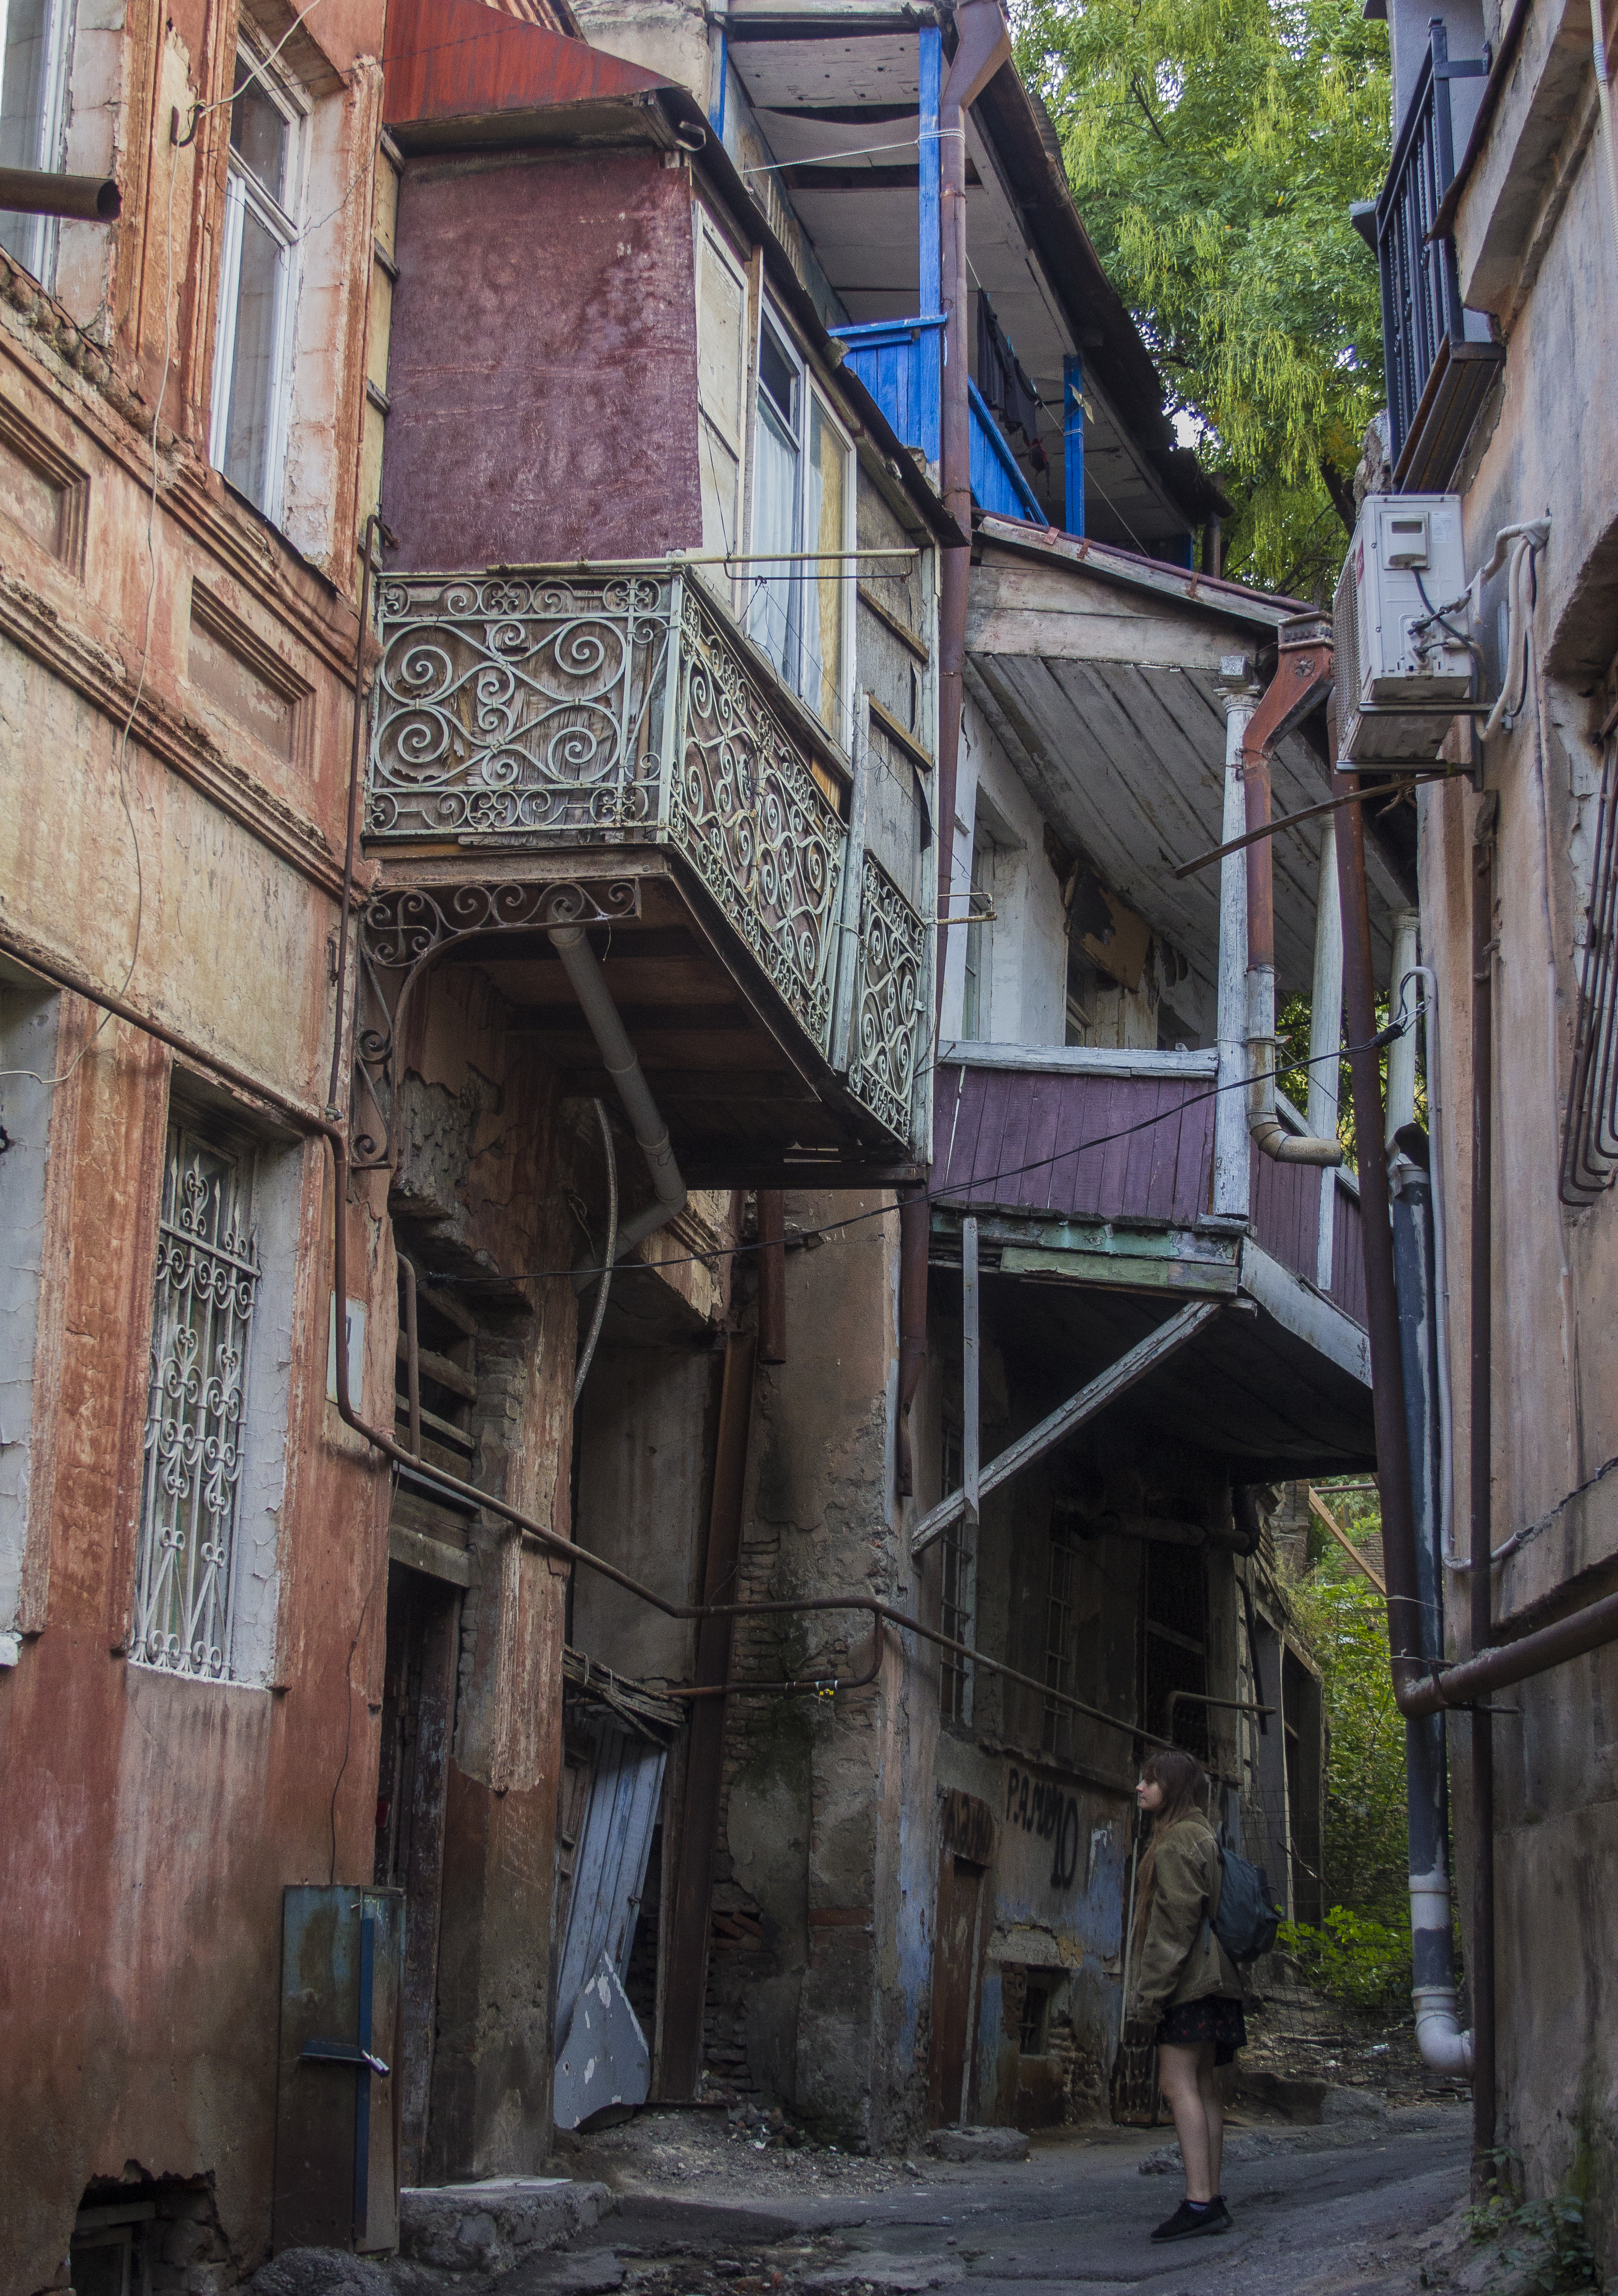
459	59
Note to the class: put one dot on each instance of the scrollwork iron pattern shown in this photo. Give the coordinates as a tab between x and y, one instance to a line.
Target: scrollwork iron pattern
889	1013
745	811
207	1285
519	704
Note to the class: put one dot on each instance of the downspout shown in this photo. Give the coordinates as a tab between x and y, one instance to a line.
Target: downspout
981	45
572	944
1480	1409
1303	678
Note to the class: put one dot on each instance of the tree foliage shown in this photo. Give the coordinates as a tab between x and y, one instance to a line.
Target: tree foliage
1214	147
1345	1621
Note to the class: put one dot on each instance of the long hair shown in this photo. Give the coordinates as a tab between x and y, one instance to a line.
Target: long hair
1185	1788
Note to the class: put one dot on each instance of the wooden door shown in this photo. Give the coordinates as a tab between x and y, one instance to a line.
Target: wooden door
957	1944
418	1720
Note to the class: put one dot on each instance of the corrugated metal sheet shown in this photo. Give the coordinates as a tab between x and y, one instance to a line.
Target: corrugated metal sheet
1016	1140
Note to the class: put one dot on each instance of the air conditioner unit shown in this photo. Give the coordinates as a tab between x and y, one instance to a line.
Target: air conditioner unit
1400	619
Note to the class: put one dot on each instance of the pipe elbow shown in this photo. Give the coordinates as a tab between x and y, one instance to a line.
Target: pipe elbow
1438	2031
1285	1147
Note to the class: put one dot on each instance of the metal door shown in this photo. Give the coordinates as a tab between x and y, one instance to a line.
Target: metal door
609	1871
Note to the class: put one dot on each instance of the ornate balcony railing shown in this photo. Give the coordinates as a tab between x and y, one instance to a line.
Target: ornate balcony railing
617	705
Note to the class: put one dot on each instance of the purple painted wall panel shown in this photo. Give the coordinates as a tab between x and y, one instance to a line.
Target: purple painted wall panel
1348	1257
542	373
1286	1212
1041	1142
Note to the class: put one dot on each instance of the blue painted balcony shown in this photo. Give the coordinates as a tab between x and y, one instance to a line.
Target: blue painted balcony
899	363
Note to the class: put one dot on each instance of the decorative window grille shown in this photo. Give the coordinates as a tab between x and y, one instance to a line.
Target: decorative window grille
1059	1644
207	1287
1589	1128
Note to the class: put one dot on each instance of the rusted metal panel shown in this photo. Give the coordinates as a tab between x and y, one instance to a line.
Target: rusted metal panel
542	374
455	59
336	2140
1018	1140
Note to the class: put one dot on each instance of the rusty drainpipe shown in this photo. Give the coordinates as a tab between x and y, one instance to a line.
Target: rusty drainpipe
1480	1453
1303	678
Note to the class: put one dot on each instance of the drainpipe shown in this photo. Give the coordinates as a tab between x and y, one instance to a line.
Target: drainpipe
619	1057
1480	1405
1302	681
981	46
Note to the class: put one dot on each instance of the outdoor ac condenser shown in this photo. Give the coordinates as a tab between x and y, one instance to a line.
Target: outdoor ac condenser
1397	662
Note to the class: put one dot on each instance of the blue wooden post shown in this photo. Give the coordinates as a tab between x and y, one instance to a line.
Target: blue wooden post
929	283
716	113
1072	441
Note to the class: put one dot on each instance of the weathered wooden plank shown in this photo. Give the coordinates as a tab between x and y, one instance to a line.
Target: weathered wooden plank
1115	1380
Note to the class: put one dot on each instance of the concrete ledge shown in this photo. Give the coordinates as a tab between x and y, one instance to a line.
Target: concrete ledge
493	2226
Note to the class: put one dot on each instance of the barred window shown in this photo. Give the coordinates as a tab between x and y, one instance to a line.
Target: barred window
206	1289
1055	1720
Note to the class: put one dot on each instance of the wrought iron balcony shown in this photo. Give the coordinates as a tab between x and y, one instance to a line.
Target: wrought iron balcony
607	705
1439	358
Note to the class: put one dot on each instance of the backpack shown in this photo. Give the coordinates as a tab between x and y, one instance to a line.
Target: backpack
1247	1917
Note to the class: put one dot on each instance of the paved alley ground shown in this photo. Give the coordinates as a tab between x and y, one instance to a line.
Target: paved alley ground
1327	2211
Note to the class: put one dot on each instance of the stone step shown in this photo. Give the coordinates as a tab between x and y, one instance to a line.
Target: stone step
493	2225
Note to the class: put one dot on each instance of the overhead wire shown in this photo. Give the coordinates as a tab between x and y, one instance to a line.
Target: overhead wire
978	1180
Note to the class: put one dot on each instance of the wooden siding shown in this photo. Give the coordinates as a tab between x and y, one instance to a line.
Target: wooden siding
1286	1220
1018	1140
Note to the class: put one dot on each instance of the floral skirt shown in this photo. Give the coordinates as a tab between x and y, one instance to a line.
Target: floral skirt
1215	2018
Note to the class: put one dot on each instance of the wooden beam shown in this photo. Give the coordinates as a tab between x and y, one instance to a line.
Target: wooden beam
1318	1506
1167	1340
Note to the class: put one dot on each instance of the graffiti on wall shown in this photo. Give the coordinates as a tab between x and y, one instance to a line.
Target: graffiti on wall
1051	1813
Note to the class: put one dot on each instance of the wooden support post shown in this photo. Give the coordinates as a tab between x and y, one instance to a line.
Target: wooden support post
771	1275
1073	442
1232	1153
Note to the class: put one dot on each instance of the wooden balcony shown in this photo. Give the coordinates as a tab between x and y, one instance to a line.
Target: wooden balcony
601	745
1090	1175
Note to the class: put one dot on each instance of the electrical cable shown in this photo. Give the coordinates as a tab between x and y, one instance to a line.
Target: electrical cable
1383	1037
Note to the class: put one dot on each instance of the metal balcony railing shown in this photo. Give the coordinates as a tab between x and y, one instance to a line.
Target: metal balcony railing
615	705
1422	314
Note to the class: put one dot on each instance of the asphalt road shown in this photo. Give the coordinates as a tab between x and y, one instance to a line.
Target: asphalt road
1334	2220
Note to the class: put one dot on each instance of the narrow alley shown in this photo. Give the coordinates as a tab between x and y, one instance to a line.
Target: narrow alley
808	1146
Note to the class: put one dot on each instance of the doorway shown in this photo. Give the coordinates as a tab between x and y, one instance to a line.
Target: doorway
957	1953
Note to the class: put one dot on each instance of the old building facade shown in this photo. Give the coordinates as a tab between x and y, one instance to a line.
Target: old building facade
1494	398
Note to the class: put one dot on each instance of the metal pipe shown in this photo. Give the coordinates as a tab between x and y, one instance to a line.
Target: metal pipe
1480	1405
1377	1236
412	1355
39	191
981	47
373	526
1441	1257
619	1058
771	1275
913	1217
608	1256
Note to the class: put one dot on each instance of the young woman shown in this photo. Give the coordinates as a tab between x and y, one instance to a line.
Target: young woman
1184	1981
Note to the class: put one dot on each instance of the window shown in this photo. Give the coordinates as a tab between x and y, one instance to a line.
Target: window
1034	2025
205	1294
33	77
257	287
803	495
721	307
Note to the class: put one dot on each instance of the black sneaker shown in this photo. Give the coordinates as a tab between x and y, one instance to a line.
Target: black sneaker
1187	2220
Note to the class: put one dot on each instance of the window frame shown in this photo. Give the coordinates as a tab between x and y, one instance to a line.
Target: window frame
810	397
282	219
42	234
